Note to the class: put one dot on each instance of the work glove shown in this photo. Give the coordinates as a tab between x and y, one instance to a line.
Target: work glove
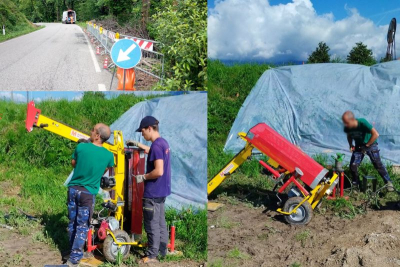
140	178
352	148
132	143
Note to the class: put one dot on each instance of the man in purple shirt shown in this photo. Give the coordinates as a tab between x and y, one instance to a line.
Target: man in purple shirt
157	186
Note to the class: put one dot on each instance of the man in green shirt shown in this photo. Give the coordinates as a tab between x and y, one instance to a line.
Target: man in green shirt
90	160
365	138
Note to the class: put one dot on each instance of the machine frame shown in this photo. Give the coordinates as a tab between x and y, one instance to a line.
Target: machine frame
309	199
36	119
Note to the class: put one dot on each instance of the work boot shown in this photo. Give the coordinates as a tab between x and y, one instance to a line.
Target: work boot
147	260
70	264
356	185
390	187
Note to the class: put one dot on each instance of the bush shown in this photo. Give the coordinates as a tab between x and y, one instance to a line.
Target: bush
181	27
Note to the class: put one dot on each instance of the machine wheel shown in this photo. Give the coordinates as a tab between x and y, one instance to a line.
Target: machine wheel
110	249
303	213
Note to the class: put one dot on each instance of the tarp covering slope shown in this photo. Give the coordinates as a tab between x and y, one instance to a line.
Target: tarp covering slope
305	104
183	123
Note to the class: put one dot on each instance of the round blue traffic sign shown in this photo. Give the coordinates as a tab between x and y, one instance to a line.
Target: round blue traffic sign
126	53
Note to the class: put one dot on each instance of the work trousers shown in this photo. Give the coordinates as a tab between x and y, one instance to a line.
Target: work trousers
80	208
155	226
373	154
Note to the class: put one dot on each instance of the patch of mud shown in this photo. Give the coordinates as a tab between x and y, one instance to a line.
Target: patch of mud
263	239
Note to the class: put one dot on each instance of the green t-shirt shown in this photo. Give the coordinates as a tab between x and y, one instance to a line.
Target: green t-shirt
91	163
362	133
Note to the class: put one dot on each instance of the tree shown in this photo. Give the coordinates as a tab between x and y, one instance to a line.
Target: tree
360	54
321	54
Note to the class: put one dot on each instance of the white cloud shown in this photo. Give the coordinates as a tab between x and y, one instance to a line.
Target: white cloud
255	30
16	97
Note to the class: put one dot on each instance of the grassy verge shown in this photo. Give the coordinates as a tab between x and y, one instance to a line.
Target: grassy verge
18	32
228	88
34	166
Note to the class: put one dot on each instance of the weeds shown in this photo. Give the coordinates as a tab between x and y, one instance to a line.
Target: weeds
237	254
302	237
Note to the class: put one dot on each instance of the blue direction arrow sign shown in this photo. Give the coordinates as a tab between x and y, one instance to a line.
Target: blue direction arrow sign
126	53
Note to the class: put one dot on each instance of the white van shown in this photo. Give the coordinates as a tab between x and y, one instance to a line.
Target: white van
69	17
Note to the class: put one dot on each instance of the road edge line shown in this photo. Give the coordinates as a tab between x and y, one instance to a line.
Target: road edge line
96	64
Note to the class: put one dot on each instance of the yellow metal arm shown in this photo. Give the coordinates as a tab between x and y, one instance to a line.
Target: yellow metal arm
36	119
238	160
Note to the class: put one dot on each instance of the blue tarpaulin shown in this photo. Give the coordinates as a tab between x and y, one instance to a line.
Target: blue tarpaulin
305	103
183	123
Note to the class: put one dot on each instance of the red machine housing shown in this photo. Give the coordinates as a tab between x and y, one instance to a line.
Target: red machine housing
135	165
287	155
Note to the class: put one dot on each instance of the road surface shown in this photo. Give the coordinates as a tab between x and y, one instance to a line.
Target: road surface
55	58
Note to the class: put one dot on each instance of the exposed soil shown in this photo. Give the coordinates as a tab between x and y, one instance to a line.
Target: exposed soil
263	239
21	250
17	250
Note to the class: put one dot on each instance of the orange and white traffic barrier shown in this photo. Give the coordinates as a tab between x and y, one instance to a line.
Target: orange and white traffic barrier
105	65
98	50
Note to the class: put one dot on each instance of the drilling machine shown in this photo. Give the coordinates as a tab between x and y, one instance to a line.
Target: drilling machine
121	228
305	180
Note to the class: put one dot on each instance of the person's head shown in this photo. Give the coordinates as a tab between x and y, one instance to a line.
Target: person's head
349	121
100	133
149	128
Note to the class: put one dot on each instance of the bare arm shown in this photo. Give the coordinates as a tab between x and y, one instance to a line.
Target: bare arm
144	147
73	163
350	140
374	136
158	170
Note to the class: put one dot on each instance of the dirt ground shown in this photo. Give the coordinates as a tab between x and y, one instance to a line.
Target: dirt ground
20	250
241	235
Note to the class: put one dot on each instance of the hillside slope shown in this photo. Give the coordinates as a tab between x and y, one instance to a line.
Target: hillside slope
15	21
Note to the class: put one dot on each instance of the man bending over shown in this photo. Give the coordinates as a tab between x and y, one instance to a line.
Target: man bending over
365	138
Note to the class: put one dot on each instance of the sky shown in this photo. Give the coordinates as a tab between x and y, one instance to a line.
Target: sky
283	30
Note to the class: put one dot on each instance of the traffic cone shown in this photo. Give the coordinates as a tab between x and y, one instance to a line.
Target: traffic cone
98	50
105	65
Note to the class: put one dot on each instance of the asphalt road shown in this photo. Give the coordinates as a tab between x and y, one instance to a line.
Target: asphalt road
55	58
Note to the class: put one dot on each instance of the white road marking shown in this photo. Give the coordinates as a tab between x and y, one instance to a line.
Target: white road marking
102	87
96	64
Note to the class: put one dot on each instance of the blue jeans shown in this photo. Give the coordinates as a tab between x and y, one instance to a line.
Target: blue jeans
80	207
373	154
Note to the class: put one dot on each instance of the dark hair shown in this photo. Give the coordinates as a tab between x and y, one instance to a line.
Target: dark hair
155	126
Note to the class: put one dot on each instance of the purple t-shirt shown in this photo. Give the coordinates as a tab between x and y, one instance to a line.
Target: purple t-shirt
160	187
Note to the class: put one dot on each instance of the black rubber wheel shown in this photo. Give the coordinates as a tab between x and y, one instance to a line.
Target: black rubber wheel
303	213
110	249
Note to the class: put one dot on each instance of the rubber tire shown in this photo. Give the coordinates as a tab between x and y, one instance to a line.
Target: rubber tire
108	244
306	206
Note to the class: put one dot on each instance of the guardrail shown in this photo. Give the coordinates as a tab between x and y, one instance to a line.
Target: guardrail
152	62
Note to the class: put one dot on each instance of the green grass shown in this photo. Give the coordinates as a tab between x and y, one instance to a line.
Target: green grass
228	88
35	166
235	253
302	237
